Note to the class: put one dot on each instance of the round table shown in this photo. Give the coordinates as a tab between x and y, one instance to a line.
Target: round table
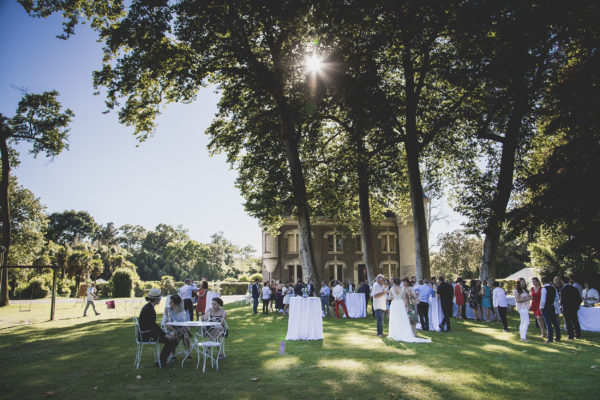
305	321
209	297
356	304
589	318
188	336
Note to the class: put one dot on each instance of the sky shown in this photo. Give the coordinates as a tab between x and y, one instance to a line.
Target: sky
170	178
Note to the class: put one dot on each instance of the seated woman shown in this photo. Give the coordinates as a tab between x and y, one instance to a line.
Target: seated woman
177	314
151	332
215	314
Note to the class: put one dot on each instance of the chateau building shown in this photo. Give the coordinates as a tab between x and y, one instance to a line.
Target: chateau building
337	254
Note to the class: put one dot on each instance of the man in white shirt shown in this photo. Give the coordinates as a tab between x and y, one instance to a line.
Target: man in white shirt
379	305
338	295
500	303
589	295
91	295
186	292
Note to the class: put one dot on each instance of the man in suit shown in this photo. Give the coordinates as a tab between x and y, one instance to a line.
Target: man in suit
570	299
298	288
150	331
446	295
351	288
255	296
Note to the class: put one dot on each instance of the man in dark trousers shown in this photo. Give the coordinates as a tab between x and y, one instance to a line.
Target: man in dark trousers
255	295
151	332
570	299
446	295
548	311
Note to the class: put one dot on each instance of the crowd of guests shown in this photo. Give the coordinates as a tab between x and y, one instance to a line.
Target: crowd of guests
489	303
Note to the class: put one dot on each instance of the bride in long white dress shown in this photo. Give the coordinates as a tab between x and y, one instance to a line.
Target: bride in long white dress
400	328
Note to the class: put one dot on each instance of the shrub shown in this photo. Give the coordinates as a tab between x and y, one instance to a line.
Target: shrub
122	282
103	290
509	286
138	289
243	278
228	288
63	287
35	289
167	284
256	276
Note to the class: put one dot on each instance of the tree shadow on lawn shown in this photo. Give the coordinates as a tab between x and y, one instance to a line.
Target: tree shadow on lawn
476	360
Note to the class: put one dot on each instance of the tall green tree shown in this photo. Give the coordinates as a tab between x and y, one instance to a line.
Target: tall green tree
40	121
71	227
506	59
161	52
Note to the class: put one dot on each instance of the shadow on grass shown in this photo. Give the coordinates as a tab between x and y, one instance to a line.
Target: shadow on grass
476	360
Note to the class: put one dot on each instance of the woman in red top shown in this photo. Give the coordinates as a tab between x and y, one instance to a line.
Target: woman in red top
460	297
201	304
536	294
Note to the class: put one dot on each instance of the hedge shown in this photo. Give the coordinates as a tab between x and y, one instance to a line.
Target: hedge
35	289
122	282
227	288
103	290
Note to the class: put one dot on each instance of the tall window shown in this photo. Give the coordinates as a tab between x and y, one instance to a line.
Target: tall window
358	247
335	243
336	271
361	273
266	240
388	242
293	242
295	273
391	269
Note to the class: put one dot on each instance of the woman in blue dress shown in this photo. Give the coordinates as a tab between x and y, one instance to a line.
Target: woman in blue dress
486	301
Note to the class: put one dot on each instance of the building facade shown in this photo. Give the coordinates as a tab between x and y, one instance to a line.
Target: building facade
337	254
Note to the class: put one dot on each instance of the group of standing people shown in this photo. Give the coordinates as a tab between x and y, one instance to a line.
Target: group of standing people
191	293
276	295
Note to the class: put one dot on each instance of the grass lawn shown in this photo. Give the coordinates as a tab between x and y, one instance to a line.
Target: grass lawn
92	358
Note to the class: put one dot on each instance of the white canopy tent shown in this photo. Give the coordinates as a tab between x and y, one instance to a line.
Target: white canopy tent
526	273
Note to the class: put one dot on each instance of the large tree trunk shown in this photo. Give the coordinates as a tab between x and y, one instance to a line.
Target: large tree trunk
288	139
493	228
5	219
413	151
423	268
366	231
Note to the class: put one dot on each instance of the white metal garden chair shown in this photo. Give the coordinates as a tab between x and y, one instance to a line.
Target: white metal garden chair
208	343
140	343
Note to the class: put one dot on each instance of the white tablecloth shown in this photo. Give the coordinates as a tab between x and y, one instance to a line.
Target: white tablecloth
209	297
305	321
470	312
589	318
356	304
435	315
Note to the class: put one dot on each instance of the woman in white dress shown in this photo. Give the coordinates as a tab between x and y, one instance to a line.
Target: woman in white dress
400	327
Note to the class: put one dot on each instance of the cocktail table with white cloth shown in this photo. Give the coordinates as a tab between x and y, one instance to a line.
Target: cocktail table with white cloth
209	297
305	321
589	318
356	304
195	344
